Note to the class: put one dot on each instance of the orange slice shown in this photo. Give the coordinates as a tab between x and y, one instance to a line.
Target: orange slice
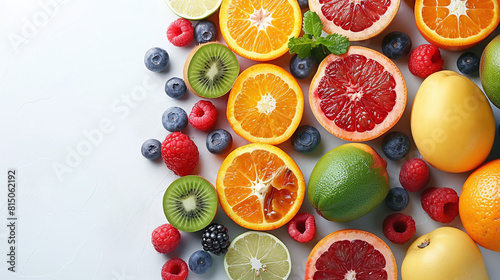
260	187
456	24
259	30
265	104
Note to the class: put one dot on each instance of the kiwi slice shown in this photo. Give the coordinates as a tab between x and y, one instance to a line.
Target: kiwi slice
190	203
211	70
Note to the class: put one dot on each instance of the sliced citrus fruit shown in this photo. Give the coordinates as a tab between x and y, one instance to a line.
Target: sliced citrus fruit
456	24
265	104
356	19
257	255
259	30
193	9
260	187
351	254
359	95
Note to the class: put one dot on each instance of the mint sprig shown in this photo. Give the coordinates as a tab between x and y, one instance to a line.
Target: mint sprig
312	43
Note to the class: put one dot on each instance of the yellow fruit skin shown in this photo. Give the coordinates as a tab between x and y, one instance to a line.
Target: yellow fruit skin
450	255
452	122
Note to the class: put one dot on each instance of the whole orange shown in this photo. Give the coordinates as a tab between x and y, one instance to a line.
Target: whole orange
479	205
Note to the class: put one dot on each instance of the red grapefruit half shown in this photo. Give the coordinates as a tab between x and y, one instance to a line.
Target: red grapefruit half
356	19
351	254
359	95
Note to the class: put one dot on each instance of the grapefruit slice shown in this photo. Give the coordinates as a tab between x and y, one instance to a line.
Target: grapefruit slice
356	19
359	95
351	254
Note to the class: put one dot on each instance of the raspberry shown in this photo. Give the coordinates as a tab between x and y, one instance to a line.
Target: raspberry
179	153
440	203
399	228
180	32
302	227
165	238
203	115
414	174
174	269
425	60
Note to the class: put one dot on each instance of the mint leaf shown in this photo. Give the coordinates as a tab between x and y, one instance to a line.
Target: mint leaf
312	24
301	46
335	43
320	52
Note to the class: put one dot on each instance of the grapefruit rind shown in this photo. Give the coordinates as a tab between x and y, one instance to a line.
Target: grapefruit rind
391	119
351	234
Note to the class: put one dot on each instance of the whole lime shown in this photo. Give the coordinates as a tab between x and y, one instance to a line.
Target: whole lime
348	182
489	70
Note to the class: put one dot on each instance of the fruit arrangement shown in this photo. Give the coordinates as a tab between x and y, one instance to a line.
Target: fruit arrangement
357	94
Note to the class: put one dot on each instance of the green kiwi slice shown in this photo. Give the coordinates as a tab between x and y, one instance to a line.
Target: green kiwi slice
211	70
190	203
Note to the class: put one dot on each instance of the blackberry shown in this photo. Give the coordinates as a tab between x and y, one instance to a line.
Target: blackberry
215	239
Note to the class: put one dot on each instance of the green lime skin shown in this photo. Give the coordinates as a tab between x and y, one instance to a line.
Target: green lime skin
348	182
489	71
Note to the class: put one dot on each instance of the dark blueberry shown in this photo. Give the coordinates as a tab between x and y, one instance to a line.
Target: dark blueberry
396	145
215	239
396	45
151	149
219	142
303	3
156	59
205	31
200	262
174	119
306	139
468	63
397	199
175	87
301	68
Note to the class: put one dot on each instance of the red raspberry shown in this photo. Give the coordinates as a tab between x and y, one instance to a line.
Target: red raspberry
203	116
414	174
425	60
302	227
174	269
180	32
399	228
179	153
440	203
165	238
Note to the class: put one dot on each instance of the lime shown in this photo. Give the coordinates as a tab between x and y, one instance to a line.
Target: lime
193	9
348	182
489	70
257	255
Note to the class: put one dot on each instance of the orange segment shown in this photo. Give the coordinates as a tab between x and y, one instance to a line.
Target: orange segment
260	186
259	30
456	24
265	104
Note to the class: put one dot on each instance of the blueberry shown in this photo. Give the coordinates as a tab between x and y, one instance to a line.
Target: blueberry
396	45
301	68
156	59
219	142
175	87
205	31
200	262
397	199
303	4
151	149
396	145
306	139
174	119
468	63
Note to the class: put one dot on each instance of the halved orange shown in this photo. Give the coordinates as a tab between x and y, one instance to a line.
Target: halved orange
265	104
260	187
456	24
259	30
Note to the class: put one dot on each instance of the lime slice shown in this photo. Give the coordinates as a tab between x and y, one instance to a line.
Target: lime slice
193	9
257	255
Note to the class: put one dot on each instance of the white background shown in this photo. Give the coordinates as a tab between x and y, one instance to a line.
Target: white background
76	103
